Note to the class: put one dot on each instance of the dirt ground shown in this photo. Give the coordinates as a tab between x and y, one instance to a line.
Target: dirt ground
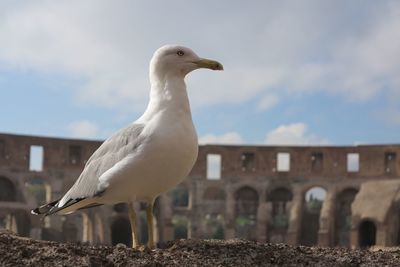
18	251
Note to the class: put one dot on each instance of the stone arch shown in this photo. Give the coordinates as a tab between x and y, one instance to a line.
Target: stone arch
313	199
121	231
246	206
342	217
279	217
214	193
8	191
366	234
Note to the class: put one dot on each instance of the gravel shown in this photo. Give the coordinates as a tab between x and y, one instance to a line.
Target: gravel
19	251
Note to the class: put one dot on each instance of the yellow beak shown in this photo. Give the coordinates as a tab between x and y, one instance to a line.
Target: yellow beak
209	64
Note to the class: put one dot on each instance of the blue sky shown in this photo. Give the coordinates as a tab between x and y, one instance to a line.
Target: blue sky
296	72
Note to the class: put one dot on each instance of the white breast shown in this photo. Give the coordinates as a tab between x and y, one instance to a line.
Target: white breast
160	163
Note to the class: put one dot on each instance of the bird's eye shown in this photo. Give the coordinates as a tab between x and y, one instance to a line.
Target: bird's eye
180	53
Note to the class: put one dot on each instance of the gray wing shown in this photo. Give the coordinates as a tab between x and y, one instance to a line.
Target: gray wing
113	150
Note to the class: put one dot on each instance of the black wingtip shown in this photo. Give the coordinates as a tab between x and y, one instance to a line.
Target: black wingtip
51	208
35	211
44	209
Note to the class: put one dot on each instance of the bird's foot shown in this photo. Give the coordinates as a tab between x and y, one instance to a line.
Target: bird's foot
151	245
142	248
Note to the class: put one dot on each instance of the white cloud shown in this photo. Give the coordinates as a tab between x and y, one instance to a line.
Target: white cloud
230	138
83	129
233	85
340	47
267	102
71	38
290	134
367	64
293	134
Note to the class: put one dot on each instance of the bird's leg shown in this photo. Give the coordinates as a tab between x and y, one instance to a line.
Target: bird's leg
149	213
132	218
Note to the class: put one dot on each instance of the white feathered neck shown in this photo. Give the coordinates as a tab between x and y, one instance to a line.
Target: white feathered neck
167	93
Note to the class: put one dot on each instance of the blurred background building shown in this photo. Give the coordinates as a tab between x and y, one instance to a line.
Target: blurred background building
310	195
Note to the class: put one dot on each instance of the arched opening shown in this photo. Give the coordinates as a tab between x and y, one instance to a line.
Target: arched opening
366	234
343	217
8	192
314	199
121	232
181	227
246	205
180	196
214	226
279	223
214	193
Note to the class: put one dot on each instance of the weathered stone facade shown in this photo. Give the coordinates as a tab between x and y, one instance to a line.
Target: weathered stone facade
253	192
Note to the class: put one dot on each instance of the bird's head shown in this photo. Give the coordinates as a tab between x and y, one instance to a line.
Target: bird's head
179	61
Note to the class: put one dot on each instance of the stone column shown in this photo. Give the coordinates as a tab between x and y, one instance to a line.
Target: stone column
355	220
106	223
195	215
230	214
262	222
326	220
98	229
87	231
295	216
55	222
166	228
381	235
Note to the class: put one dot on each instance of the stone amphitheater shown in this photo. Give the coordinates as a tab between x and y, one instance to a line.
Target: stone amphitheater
311	195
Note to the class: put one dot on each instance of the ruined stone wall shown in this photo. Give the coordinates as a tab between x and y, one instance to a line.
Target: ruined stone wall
253	192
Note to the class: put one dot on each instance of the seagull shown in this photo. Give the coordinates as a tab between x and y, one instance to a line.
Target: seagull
148	157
